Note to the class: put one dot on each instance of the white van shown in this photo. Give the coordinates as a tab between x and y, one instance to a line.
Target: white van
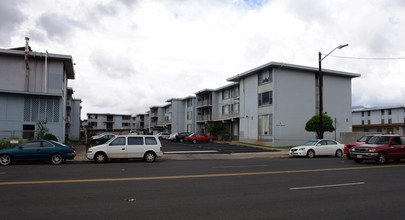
147	147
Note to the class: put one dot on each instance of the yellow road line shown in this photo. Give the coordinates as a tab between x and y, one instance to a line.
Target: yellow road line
194	176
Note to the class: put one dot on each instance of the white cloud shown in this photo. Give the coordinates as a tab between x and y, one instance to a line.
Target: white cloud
131	55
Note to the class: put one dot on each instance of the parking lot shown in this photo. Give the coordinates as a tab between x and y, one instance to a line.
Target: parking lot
208	148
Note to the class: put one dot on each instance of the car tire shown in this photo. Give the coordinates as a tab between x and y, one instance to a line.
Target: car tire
194	141
210	140
56	159
311	154
357	160
381	158
181	140
149	157
5	159
348	156
339	153
100	157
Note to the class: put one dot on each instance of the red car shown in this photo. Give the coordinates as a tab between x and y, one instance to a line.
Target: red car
360	141
196	137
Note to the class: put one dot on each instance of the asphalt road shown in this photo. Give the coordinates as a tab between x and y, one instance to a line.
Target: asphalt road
289	188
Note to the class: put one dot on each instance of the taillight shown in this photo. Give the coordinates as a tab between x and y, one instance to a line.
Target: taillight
72	149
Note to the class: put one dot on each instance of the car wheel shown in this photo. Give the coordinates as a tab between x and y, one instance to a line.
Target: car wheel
181	140
194	141
149	157
339	153
381	158
357	160
56	159
348	156
5	159
210	140
311	154
100	157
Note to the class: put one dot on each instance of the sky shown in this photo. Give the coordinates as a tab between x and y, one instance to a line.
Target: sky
131	55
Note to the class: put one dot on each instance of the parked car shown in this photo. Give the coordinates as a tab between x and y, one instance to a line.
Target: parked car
147	147
197	137
318	147
362	140
50	150
101	139
163	135
179	136
380	148
132	132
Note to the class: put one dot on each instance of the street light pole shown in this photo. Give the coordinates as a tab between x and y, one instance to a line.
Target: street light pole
320	86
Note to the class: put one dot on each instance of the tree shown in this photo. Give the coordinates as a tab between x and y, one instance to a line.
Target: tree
42	130
313	124
217	130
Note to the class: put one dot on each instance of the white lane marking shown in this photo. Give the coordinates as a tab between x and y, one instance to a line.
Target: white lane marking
326	186
225	167
190	152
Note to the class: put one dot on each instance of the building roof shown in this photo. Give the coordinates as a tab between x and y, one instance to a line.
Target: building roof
66	59
218	89
377	108
292	67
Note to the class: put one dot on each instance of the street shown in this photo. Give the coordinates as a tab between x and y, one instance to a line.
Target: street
288	188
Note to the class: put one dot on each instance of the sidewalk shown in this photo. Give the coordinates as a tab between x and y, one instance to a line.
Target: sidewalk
282	153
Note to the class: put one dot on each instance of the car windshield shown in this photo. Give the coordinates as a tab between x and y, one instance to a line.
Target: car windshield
379	140
310	143
364	139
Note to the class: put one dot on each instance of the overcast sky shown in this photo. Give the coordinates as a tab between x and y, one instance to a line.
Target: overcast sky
131	55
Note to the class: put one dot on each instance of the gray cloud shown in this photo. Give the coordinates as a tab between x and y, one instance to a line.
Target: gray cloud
58	27
11	17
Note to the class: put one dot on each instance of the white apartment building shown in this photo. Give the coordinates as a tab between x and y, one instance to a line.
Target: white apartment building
182	114
277	99
100	122
389	120
34	87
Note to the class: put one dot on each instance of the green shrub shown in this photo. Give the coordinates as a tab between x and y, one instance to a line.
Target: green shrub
5	143
49	136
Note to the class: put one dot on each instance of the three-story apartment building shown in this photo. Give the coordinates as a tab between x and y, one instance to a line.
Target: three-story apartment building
33	88
380	120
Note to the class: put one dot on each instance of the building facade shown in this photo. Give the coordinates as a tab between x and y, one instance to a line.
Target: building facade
380	120
100	122
33	88
277	99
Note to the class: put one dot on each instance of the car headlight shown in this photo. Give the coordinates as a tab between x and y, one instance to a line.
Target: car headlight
352	149
302	148
371	150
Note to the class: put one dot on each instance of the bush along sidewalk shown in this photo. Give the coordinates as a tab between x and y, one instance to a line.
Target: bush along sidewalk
10	143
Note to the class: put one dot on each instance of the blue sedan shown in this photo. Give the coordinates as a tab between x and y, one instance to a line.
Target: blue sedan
54	151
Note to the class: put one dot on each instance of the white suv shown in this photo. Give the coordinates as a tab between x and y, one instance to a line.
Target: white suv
147	147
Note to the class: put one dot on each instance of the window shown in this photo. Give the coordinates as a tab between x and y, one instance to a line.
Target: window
150	141
118	141
135	140
265	125
265	77
31	145
368	113
126	117
235	92
382	121
362	114
235	108
189	115
225	94
382	112
225	110
39	108
93	124
46	144
389	111
390	121
362	122
266	98
126	124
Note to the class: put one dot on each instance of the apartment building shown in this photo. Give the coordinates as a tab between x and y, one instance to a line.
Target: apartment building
142	123
390	120
182	114
219	106
34	87
73	114
159	118
100	122
277	99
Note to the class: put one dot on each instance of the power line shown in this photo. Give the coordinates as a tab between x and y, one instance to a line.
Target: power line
371	58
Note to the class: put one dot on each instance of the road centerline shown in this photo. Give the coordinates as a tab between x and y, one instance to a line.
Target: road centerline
193	176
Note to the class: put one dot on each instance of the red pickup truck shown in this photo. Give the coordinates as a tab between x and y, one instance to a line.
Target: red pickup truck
380	148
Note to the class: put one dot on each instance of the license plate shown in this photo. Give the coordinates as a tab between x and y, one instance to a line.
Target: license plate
359	156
